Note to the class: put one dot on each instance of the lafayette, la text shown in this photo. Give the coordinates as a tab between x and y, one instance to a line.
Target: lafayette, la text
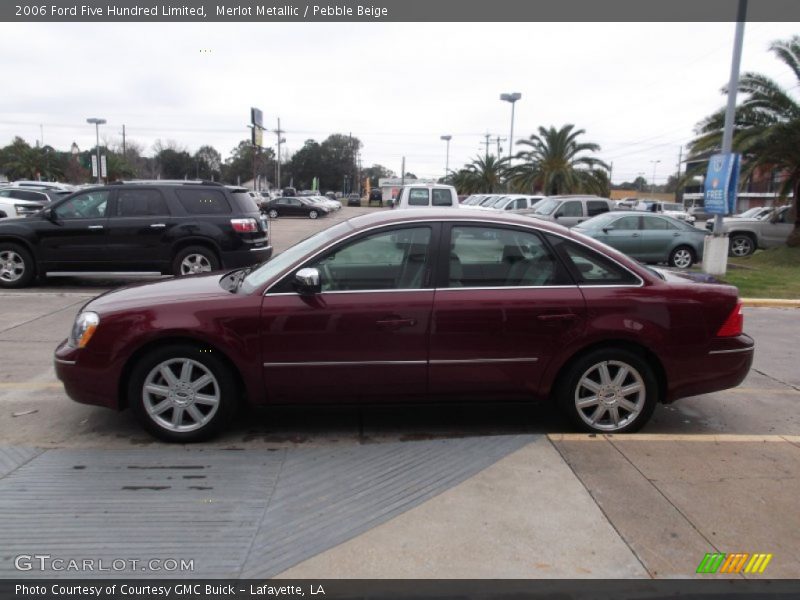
180	589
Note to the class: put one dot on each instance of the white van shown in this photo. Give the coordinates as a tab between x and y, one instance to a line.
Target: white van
419	195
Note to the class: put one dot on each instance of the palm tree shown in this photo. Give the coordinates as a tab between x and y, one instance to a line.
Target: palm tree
766	128
555	162
484	174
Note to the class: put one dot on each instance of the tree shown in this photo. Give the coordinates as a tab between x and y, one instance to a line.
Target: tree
208	163
239	166
484	174
766	128
19	160
377	172
555	162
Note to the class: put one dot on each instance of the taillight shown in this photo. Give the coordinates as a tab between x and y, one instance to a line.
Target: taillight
734	324
245	225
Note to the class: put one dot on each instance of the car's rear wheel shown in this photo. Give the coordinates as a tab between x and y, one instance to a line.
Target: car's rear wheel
17	268
181	393
681	257
273	214
741	244
194	260
312	214
610	390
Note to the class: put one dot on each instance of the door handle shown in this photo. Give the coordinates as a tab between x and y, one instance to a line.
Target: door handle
95	226
395	323
635	235
158	225
557	317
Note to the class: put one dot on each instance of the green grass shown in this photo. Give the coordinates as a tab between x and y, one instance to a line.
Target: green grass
773	273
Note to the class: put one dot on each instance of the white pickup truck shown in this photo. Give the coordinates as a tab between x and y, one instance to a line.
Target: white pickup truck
431	195
671	209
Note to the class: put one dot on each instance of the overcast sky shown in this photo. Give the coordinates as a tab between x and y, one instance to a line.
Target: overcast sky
638	89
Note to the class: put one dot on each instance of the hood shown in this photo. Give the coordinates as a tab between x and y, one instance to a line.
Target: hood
149	295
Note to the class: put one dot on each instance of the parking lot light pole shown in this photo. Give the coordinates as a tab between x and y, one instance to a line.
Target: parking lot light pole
447	139
653	184
512	98
97	122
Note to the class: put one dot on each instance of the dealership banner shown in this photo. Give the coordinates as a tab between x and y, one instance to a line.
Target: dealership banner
722	181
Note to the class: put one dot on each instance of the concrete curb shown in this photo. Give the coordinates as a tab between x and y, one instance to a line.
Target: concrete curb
770	303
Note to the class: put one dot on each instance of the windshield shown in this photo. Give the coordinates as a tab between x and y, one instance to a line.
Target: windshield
285	259
546	206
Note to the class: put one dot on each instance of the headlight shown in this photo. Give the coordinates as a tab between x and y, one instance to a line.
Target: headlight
82	331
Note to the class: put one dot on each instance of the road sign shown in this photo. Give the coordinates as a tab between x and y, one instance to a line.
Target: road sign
722	179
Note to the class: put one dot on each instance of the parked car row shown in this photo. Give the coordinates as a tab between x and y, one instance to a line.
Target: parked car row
299	206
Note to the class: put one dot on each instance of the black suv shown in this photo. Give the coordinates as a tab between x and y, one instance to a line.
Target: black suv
176	228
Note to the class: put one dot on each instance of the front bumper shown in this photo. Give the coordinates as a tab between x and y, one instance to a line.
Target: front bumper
87	377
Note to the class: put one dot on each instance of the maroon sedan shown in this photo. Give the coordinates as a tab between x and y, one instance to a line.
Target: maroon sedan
396	306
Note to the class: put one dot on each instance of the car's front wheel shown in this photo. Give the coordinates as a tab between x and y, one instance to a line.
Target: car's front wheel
681	257
273	214
610	390
741	244
194	260
312	214
16	266
181	393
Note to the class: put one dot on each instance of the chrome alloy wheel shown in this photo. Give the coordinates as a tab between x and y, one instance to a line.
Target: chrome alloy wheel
682	258
181	395
610	395
741	245
195	263
12	266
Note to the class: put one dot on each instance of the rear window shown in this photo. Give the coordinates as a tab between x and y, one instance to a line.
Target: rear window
418	197
205	202
442	198
245	202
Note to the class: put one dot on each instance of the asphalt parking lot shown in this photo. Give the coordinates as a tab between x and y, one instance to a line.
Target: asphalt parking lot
486	490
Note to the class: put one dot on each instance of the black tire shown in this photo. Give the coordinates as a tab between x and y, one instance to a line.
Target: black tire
312	214
741	244
679	256
272	213
193	260
17	268
571	390
204	361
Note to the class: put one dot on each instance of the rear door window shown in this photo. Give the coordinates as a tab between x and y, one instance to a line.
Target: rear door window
596	207
203	202
442	198
141	203
570	209
590	267
418	197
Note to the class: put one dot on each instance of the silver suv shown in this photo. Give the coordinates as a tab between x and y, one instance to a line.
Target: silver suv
571	210
745	235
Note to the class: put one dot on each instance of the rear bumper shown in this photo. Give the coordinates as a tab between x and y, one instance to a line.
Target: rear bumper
246	257
725	365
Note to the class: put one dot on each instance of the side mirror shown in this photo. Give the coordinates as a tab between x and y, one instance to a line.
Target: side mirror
306	282
49	214
607	229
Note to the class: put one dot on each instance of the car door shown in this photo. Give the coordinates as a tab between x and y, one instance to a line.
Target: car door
569	213
624	234
365	335
774	232
138	231
658	238
503	303
74	237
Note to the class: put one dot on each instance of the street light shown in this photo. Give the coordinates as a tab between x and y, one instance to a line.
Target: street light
511	98
97	122
447	139
653	184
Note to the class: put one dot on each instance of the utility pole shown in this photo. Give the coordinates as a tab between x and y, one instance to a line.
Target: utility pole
124	153
680	160
499	139
403	172
279	132
610	172
487	136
